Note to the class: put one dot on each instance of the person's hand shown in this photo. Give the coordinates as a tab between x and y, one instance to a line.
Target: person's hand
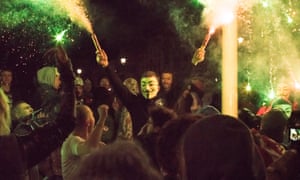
103	113
103	110
102	58
199	56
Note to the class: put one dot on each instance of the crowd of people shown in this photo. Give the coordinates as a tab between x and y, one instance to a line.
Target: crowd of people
151	128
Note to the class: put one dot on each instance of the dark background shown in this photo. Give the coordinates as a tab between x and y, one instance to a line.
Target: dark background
142	31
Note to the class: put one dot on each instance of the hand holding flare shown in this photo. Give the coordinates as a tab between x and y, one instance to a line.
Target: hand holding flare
199	55
101	56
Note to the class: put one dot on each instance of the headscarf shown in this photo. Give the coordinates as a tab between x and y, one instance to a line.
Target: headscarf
46	75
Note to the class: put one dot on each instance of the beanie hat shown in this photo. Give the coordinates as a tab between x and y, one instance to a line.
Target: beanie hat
78	81
46	75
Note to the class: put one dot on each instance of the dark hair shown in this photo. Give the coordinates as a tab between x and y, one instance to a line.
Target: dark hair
249	118
52	56
6	69
273	124
161	114
121	160
150	74
168	143
221	147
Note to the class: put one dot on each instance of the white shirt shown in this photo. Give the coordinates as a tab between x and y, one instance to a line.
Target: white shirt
70	158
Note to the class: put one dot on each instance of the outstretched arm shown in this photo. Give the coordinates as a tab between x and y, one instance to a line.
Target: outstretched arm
92	142
43	140
121	90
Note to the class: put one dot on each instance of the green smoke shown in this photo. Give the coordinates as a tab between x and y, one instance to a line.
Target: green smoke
37	18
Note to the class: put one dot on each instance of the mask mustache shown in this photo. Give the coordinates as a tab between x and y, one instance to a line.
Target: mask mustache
147	94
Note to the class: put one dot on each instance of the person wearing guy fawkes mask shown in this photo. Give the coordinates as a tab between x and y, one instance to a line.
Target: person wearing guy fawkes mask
137	105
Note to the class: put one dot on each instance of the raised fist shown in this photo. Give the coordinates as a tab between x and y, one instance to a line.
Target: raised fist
102	58
199	56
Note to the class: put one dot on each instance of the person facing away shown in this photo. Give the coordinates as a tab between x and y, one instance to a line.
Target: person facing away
132	84
220	147
168	145
137	105
274	124
19	153
149	133
121	160
84	139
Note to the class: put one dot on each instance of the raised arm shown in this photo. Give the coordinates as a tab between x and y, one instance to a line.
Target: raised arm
121	90
43	140
92	142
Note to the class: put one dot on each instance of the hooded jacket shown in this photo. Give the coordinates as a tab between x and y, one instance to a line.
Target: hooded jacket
19	153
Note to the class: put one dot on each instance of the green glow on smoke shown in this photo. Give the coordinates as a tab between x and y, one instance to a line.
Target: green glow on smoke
39	18
60	37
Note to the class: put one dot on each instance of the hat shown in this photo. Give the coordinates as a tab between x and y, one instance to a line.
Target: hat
78	81
46	75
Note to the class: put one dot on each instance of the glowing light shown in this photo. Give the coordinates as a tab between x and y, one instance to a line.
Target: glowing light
123	60
227	18
240	40
297	85
212	30
265	4
248	87
79	71
271	94
60	37
289	19
207	37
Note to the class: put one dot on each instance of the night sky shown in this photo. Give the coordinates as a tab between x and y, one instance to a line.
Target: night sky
141	31
154	35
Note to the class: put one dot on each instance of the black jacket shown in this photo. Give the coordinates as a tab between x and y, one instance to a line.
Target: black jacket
137	105
18	153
